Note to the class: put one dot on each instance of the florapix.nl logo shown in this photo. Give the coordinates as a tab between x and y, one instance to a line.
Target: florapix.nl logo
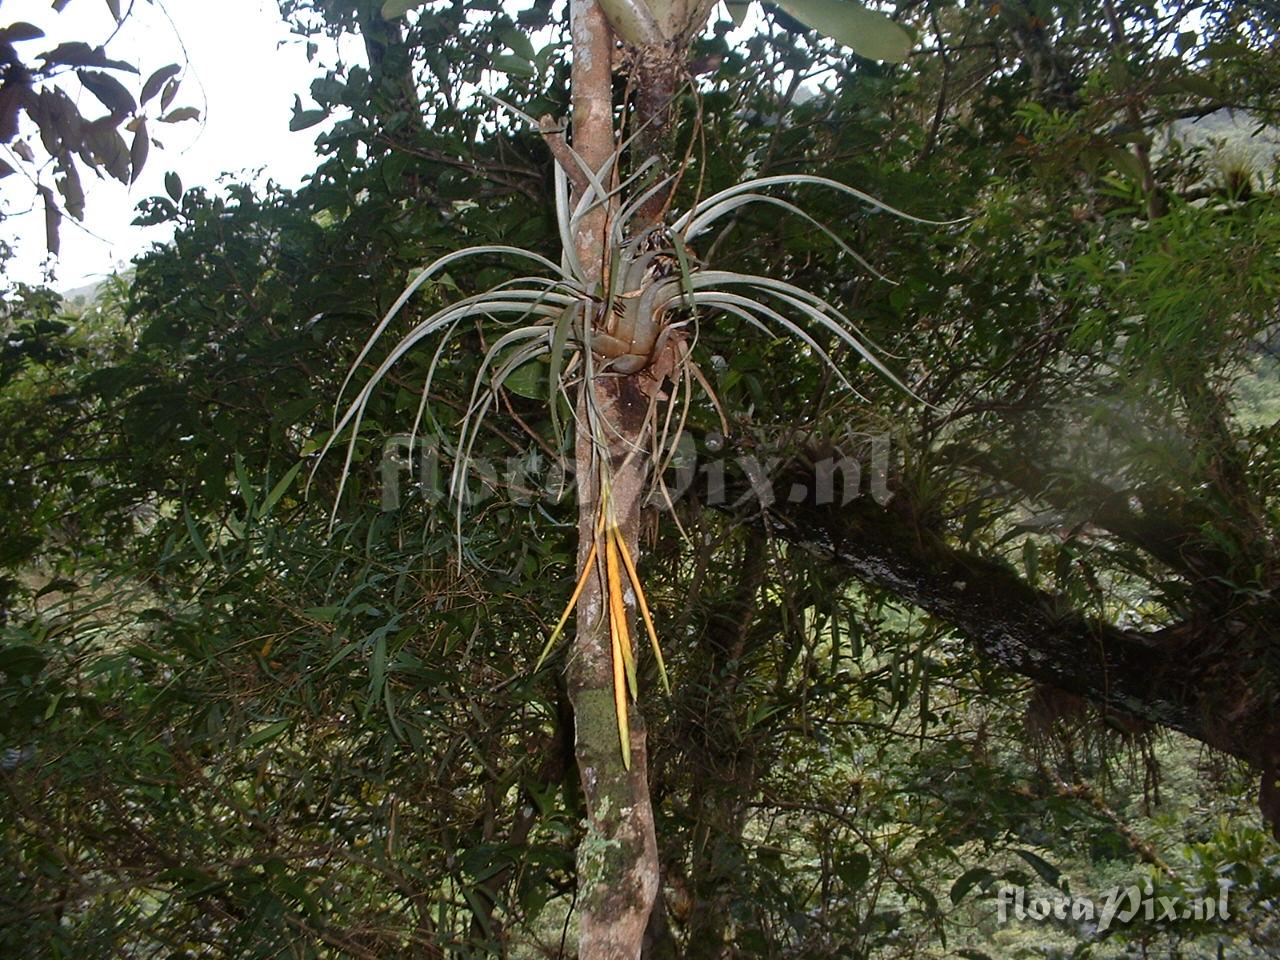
1119	905
716	476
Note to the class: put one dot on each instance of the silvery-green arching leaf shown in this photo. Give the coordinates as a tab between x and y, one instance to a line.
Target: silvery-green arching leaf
746	308
629	210
831	314
431	270
703	214
470	424
813	307
532	332
859	347
426	386
507	301
561	330
568	248
750	198
517	359
549	286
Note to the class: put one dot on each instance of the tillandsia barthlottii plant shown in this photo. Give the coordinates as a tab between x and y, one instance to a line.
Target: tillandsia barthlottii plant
641	317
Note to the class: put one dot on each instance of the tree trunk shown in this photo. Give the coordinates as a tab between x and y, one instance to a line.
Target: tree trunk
618	856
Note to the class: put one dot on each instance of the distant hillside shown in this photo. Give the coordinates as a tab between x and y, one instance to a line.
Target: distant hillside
1238	133
82	296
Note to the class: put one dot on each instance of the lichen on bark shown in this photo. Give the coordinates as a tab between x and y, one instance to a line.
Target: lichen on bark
617	857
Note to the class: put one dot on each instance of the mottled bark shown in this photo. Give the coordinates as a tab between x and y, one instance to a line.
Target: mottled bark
618	857
656	74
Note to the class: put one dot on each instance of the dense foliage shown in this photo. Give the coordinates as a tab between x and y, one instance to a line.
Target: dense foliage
232	729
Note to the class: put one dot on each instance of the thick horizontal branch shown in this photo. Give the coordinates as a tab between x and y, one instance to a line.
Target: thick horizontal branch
1156	676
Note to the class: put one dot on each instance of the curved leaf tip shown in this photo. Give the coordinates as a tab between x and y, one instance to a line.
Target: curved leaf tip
868	33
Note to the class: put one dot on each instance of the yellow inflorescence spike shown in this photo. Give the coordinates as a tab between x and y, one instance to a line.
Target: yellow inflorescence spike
618	607
644	608
620	694
617	557
568	609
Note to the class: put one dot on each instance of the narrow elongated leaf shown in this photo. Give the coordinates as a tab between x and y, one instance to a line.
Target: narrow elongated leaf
182	113
52	221
155	82
138	152
72	191
78	54
967	881
1047	871
263	734
513	65
711	209
193	532
518	41
109	90
170	92
279	489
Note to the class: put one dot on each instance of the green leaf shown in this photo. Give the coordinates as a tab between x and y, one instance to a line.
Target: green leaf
528	380
72	191
109	90
868	33
263	734
79	54
1199	86
968	880
302	119
197	541
279	489
170	91
377	671
519	42
738	11
393	9
156	81
17	32
853	871
247	491
1128	165
138	152
515	66
21	660
173	186
182	113
1225	50
478	910
1047	871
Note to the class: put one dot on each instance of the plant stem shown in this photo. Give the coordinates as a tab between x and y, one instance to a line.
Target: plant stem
617	858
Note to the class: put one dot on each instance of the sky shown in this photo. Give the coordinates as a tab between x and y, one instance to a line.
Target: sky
244	69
